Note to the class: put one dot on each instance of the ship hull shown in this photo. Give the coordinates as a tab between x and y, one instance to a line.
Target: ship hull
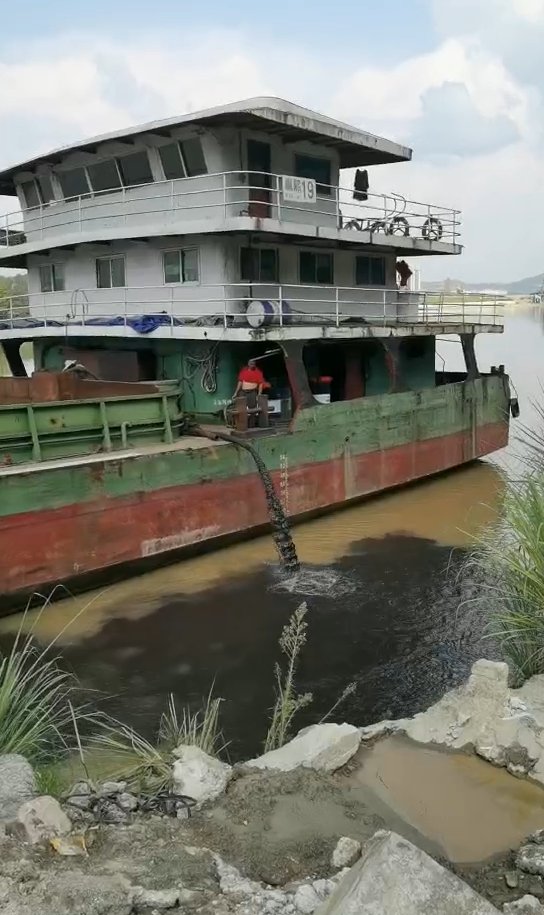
77	521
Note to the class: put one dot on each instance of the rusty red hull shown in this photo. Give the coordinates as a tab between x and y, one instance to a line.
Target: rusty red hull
39	549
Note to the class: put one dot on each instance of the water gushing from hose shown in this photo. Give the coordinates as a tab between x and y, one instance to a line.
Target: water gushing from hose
281	531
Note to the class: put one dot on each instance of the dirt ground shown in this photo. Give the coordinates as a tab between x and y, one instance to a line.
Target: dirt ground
275	828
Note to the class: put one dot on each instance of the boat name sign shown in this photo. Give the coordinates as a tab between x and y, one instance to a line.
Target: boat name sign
298	190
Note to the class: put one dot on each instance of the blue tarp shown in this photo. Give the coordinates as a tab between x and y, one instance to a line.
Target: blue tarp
143	324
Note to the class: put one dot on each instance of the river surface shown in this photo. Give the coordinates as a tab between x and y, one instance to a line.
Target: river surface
388	610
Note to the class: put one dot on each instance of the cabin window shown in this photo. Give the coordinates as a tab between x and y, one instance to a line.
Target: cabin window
45	187
52	277
369	271
316	268
135	169
30	191
104	175
316	168
37	191
74	182
181	266
110	272
193	157
259	265
183	160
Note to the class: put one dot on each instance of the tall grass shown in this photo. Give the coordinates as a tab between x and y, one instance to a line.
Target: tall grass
288	702
147	766
129	757
509	561
189	728
34	701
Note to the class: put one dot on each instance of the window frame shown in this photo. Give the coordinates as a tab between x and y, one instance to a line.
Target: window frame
88	193
316	254
370	258
258	251
34	183
119	164
322	189
40	196
55	285
178	144
106	190
180	252
110	258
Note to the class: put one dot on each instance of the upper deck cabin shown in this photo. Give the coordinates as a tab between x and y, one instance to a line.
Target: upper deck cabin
202	223
226	169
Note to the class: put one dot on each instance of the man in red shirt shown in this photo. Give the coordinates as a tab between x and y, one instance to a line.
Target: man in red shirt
251	382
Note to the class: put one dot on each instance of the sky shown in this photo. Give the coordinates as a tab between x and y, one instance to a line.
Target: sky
460	81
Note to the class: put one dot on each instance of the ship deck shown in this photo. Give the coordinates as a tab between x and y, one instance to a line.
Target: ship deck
272	334
185	443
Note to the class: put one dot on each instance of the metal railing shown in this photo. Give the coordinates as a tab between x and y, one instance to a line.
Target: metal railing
244	305
227	195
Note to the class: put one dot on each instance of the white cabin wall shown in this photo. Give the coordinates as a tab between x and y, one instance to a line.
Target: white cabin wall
145	292
219	263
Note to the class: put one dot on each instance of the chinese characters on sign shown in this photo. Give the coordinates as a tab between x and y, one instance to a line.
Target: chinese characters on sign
298	190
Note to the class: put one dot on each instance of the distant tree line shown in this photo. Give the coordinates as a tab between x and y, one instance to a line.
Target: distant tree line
13	286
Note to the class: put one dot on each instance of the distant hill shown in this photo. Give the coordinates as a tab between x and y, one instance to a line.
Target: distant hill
526	286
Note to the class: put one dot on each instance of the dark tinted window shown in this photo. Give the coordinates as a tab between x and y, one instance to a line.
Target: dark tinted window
370	271
259	265
135	169
316	168
30	192
52	277
181	266
74	182
195	163
110	272
171	161
104	176
316	268
46	278
58	277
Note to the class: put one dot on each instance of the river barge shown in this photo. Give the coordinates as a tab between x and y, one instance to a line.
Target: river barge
162	259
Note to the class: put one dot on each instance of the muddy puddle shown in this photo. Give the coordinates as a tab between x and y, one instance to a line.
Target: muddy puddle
465	808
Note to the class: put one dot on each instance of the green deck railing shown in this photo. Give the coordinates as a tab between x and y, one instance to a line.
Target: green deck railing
46	431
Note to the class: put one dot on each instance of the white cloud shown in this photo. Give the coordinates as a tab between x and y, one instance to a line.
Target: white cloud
451	124
473	115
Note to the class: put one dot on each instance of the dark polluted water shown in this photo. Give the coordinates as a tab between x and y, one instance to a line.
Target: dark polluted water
390	623
386	610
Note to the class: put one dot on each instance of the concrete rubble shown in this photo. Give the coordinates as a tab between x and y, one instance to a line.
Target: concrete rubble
253	898
388	874
504	726
346	853
324	747
395	877
530	858
39	820
527	905
199	776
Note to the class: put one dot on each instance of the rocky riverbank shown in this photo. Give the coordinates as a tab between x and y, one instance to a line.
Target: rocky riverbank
332	823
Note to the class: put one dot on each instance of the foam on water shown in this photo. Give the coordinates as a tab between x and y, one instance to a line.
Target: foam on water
310	581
